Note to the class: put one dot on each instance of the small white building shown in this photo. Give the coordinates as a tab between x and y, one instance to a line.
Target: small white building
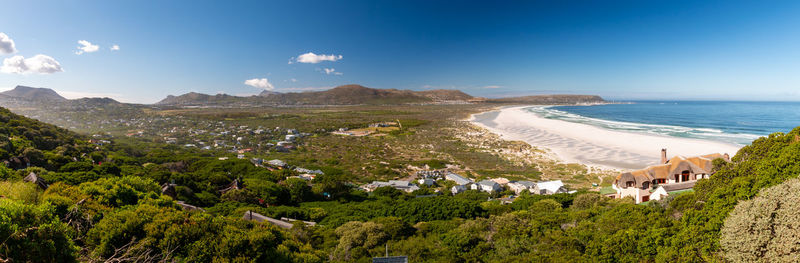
487	186
459	180
521	186
425	181
458	189
549	187
396	184
277	163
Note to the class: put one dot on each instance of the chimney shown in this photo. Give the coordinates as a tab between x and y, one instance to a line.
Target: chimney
664	155
727	157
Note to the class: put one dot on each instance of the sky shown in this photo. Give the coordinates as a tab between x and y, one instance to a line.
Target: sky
142	51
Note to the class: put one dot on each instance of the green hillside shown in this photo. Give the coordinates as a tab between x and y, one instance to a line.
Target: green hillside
107	203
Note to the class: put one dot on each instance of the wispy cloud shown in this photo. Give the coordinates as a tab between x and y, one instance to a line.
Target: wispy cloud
6	44
114	48
261	83
330	71
492	87
41	64
312	58
86	47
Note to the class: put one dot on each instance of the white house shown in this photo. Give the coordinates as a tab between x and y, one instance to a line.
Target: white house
487	186
520	186
277	163
458	189
425	181
549	187
396	184
457	179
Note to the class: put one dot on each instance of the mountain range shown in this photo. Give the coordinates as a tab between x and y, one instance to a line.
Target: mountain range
341	95
360	95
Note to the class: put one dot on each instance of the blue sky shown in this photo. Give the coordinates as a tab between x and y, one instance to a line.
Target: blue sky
729	50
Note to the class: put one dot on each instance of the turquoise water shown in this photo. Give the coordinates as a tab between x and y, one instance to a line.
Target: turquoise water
726	121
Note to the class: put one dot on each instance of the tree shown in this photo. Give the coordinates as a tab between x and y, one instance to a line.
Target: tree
765	229
299	190
355	238
33	233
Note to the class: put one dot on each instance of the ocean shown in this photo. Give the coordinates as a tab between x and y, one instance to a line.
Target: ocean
725	121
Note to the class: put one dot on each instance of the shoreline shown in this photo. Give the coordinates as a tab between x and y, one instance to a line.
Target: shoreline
590	145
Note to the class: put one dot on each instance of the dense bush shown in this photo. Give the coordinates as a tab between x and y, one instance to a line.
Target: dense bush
766	228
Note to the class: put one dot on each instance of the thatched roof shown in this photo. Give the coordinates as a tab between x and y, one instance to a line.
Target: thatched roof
235	185
169	189
33	178
695	165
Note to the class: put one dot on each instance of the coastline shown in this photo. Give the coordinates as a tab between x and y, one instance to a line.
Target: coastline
590	145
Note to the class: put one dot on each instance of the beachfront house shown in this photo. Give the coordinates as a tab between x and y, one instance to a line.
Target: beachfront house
458	189
486	186
396	184
425	181
671	175
459	180
549	187
520	186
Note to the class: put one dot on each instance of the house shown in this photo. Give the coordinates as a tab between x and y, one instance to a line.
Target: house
307	171
520	186
642	184
549	187
396	184
500	180
457	178
168	189
458	189
425	181
277	163
285	223
33	178
662	191
486	186
234	185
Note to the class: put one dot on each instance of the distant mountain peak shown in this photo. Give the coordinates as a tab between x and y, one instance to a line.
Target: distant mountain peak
35	94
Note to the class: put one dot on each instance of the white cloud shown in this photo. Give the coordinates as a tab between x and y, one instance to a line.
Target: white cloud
114	48
261	83
492	87
294	80
86	47
331	71
37	64
312	58
6	44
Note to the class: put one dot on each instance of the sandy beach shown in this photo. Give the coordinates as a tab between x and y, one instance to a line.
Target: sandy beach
590	145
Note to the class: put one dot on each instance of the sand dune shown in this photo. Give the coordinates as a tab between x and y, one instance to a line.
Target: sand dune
590	145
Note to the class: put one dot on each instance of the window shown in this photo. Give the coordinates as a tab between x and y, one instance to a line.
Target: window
645	198
685	176
661	181
629	184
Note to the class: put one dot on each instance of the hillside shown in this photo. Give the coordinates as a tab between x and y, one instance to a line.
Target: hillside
25	138
342	95
194	98
34	94
360	95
